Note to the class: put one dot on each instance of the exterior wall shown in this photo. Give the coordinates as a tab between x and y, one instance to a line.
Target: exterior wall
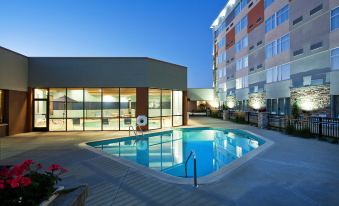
17	112
15	66
105	72
230	38
200	94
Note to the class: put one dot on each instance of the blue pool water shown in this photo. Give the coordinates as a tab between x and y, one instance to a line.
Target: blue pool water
167	151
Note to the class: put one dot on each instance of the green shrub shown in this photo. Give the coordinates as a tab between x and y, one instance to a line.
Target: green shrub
290	129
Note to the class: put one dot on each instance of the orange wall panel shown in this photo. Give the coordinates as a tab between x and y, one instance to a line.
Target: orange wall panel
256	16
142	103
230	38
17	112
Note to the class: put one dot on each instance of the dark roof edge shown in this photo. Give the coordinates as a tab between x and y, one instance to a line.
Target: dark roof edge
14	52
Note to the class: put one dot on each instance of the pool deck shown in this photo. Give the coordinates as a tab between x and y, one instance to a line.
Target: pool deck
293	171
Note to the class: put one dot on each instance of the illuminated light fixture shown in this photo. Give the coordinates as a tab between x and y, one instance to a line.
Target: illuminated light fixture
231	104
256	105
307	105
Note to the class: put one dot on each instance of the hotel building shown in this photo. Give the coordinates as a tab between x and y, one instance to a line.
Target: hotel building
89	93
269	54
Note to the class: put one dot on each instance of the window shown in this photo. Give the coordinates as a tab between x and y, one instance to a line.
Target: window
2	106
282	15
110	108
268	3
222	42
75	109
335	59
241	44
242	63
154	108
276	19
177	108
221	57
241	82
57	109
278	73
270	23
335	19
166	108
278	46
127	108
307	80
93	109
240	7
241	25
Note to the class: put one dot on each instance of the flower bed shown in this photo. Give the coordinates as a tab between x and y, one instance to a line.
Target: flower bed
27	183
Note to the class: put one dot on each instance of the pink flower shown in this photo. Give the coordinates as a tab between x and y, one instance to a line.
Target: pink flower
14	183
54	167
25	181
2	184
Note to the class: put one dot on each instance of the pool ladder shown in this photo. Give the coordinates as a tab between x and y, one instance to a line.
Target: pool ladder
135	132
195	181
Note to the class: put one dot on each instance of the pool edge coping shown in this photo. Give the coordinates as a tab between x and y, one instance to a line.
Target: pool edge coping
211	178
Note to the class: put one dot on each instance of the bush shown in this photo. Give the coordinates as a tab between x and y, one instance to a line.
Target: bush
290	129
25	184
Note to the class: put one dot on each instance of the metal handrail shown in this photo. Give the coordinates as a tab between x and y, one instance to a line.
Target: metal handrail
135	132
195	182
129	131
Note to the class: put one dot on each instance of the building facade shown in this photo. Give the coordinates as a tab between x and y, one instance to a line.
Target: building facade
270	54
90	93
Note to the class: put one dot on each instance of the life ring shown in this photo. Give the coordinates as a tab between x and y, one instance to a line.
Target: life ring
141	120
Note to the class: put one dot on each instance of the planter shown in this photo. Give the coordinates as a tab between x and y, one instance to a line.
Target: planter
53	197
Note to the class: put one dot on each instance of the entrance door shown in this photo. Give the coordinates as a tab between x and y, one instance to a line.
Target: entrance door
40	110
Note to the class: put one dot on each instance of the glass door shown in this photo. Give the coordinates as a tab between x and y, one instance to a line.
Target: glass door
40	110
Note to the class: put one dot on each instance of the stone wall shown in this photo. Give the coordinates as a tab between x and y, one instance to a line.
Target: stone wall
231	102
314	99
257	100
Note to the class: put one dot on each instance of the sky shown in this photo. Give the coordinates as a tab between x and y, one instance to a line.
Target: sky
177	31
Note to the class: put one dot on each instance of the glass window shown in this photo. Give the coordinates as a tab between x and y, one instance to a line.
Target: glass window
154	102
335	59
270	23
93	109
177	102
127	107
166	103
282	15
335	19
57	109
278	73
75	109
110	108
154	123
40	93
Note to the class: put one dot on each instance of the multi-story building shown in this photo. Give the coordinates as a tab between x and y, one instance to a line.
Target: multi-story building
269	54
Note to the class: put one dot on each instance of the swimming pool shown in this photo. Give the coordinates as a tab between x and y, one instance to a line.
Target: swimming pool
167	151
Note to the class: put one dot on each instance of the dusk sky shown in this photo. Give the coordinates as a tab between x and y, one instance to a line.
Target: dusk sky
176	30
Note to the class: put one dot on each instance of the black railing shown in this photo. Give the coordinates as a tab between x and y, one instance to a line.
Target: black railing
195	181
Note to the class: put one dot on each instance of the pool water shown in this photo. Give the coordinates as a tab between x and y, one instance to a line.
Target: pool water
167	151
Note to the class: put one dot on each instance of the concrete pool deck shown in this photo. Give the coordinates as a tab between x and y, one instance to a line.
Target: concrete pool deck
293	171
